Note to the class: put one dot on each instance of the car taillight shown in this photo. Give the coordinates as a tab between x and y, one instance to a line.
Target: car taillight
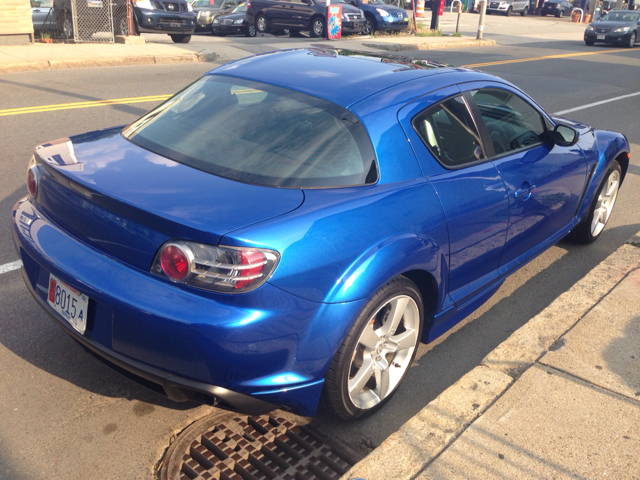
33	178
221	269
175	262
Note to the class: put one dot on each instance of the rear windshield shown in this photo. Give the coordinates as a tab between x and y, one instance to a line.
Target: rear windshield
260	134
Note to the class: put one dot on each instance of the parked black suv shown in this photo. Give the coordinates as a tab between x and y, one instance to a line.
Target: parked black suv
301	15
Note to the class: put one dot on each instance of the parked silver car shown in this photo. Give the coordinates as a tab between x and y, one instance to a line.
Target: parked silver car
507	7
42	15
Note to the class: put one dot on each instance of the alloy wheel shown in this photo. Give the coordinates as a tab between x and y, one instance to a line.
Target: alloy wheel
252	30
632	40
67	27
384	352
318	28
368	27
605	203
262	25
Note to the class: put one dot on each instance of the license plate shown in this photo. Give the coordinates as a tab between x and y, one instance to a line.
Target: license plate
601	37
175	25
69	303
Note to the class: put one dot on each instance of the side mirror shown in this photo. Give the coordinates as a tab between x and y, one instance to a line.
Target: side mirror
564	136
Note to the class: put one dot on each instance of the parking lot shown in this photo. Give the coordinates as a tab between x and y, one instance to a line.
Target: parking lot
64	415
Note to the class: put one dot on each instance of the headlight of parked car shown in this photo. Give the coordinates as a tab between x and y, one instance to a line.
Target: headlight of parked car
216	21
238	21
382	13
189	7
221	269
590	28
621	30
143	4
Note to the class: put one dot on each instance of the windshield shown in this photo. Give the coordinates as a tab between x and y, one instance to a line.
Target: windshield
240	8
208	3
257	133
41	4
620	17
333	2
374	2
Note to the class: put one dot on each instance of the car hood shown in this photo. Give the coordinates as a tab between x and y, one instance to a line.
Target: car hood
207	9
580	127
127	201
233	16
388	8
611	25
346	8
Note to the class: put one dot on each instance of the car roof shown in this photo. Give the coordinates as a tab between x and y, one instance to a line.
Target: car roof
340	76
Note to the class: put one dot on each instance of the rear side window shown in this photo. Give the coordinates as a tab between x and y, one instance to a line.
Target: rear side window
260	134
448	131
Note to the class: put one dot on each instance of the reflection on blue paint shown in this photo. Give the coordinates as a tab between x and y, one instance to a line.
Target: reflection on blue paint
255	315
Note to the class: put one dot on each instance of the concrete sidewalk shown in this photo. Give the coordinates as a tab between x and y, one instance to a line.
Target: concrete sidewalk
41	56
559	398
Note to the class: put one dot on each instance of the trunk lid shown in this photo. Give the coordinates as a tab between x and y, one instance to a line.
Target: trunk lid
126	201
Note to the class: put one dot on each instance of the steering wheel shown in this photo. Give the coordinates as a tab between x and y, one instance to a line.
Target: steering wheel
524	140
499	137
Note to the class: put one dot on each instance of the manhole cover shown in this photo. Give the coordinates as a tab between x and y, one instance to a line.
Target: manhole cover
232	447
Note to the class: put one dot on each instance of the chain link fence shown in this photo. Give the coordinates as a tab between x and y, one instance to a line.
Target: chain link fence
100	20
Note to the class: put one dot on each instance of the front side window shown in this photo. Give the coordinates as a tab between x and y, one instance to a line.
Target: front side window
260	134
447	129
512	123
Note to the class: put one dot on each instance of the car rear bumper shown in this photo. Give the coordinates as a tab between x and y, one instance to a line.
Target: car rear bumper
249	352
150	21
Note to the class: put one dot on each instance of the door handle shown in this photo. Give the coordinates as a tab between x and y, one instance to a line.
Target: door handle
524	192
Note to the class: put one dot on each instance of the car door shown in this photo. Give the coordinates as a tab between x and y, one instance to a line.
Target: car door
544	181
473	195
302	13
279	13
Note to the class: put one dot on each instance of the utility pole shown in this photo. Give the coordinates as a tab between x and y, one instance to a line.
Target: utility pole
483	12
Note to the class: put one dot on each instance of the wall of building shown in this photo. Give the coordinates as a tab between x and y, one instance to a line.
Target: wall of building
16	26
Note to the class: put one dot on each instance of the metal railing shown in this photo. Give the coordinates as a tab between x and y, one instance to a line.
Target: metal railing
453	3
581	13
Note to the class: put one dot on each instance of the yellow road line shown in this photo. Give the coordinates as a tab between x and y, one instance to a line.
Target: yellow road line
69	106
546	57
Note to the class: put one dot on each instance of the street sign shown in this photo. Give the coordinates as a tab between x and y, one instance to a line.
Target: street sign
334	22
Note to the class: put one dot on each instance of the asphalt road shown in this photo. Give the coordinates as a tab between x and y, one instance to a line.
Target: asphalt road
65	415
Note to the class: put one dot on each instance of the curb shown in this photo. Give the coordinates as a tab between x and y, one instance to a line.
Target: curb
201	56
399	47
426	435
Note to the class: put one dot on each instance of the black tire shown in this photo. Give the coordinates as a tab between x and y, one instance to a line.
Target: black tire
262	24
180	38
543	14
589	43
524	12
632	40
489	12
559	14
369	26
508	12
318	27
582	233
250	31
375	313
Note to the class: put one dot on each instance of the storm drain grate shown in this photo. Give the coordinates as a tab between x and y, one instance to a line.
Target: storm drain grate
257	448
